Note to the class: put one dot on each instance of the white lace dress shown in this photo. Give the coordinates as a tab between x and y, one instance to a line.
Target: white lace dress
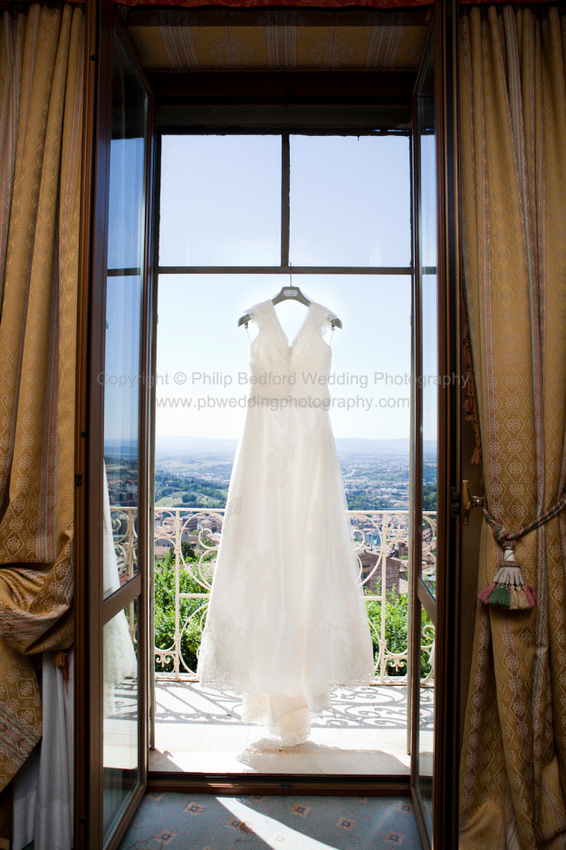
287	621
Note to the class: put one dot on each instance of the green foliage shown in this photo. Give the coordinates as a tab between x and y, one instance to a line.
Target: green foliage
165	608
395	622
172	487
361	500
396	635
429	497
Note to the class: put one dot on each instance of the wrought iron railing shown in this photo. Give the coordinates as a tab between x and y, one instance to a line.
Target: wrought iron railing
380	540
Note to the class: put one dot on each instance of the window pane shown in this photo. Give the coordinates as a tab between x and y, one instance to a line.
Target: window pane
426	729
122	388
220	200
202	355
124	288
429	322
202	382
121	715
126	211
350	201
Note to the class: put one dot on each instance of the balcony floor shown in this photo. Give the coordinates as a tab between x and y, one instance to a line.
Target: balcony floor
199	729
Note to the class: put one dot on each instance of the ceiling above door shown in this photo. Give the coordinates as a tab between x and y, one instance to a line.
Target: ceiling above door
262	39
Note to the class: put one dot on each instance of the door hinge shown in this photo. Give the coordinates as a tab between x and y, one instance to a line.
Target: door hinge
78	479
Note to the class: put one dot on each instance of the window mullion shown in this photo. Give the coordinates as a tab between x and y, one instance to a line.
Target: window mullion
285	198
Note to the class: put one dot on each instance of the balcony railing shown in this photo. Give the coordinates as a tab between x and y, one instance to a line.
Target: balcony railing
380	540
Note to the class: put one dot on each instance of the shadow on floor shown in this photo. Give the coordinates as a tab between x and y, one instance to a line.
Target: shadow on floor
206	822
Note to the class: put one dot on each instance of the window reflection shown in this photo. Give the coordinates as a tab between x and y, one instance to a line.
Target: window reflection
121	713
121	376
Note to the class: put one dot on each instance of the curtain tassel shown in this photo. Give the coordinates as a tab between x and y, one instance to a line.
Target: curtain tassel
508	589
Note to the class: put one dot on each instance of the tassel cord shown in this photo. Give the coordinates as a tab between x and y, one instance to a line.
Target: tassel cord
507	539
508	589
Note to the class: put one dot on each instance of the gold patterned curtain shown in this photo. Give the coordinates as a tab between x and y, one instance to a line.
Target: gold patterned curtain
513	169
41	68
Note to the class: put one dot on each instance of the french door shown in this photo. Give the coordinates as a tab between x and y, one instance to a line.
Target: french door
112	599
436	429
424	467
114	528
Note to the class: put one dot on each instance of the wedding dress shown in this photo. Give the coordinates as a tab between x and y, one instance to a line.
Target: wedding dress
287	621
119	655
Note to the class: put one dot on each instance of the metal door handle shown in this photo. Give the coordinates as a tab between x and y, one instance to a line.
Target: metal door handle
469	501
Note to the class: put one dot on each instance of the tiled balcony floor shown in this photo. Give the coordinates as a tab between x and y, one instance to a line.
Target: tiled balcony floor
199	729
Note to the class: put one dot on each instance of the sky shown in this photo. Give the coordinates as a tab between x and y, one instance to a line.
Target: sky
200	345
221	205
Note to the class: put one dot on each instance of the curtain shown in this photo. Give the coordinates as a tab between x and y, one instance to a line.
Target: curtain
40	151
11	51
43	787
513	173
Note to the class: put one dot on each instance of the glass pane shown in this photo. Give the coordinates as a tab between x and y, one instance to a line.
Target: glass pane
429	329
220	201
202	387
350	201
126	213
124	287
127	183
121	774
203	372
429	428
202	368
427	276
426	720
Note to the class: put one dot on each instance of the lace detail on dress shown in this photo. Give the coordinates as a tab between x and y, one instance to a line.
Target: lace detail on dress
233	508
277	460
255	573
283	661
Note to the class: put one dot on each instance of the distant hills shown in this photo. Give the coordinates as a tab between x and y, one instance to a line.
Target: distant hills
169	447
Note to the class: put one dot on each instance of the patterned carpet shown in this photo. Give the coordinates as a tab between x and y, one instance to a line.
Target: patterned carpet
172	821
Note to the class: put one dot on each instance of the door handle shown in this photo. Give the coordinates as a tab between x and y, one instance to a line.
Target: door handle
469	501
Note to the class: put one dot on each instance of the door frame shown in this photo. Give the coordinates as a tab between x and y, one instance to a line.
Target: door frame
88	728
447	701
420	597
446	606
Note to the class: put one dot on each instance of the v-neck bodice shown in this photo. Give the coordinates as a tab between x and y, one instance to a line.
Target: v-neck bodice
284	335
296	369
